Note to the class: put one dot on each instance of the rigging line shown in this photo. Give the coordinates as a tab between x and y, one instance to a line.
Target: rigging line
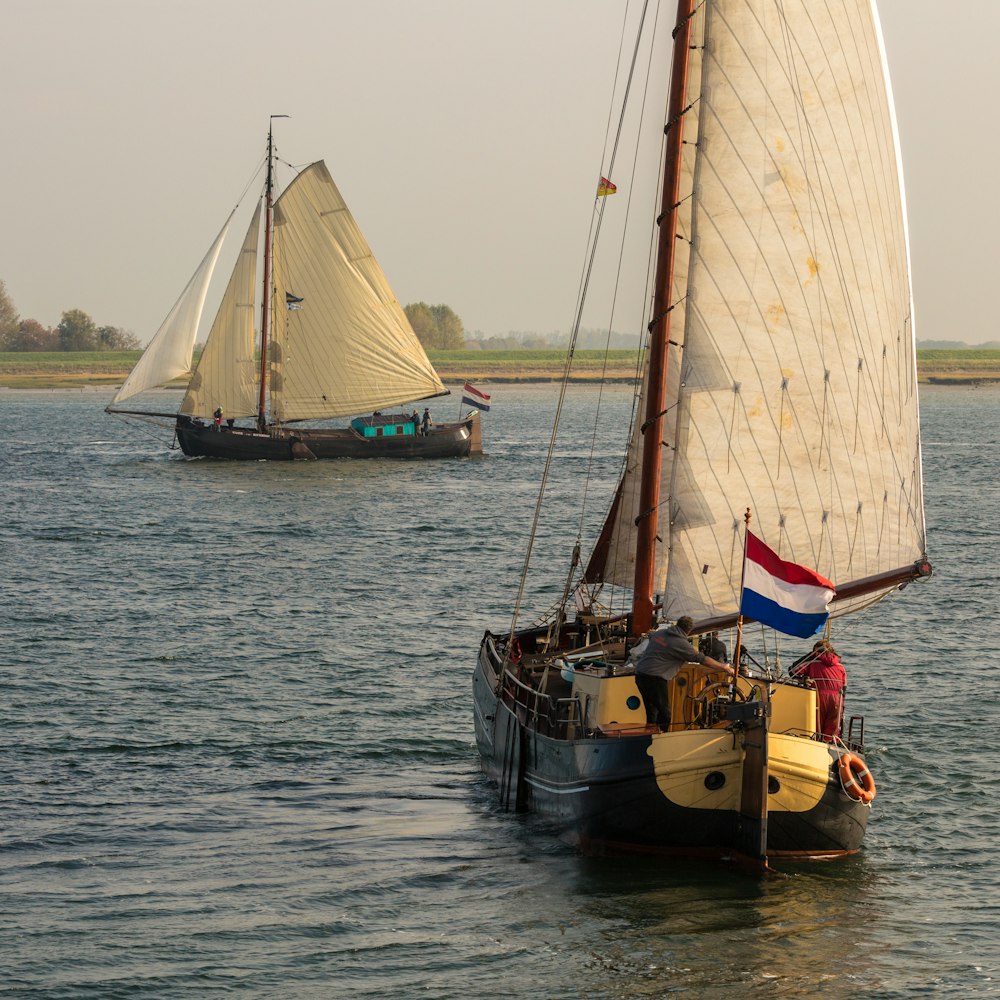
616	534
618	272
253	177
628	86
574	336
581	292
598	213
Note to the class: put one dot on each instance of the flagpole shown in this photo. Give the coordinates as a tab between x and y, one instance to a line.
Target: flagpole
739	620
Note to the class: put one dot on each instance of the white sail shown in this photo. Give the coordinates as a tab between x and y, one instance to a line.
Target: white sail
346	347
792	383
226	375
169	353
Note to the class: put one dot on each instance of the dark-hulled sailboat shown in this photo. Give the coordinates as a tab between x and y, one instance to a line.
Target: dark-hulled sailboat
780	375
334	342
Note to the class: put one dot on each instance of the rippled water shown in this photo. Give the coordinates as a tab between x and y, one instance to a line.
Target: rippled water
236	746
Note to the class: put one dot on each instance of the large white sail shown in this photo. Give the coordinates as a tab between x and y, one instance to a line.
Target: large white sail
169	353
792	379
226	375
344	346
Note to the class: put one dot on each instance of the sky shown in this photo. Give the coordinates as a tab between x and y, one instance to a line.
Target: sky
465	135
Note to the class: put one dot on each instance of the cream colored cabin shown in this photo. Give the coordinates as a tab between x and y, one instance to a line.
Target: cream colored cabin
610	703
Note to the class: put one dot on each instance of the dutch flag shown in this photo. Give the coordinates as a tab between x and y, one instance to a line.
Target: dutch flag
783	595
471	396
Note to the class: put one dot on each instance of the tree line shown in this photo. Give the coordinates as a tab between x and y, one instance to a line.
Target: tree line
437	327
76	332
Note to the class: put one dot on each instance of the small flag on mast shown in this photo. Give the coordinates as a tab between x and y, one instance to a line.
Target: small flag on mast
293	302
783	595
605	187
471	396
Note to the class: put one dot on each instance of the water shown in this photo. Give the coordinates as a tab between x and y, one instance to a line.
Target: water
237	757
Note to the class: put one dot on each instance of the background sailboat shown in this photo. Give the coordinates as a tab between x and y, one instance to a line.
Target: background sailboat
334	342
780	375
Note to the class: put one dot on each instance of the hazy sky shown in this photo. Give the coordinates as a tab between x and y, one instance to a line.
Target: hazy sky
466	136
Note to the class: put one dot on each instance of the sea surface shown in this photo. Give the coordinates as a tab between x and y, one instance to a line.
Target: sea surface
237	753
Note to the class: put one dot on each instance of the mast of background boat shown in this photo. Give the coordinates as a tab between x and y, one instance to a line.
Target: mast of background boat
265	299
659	329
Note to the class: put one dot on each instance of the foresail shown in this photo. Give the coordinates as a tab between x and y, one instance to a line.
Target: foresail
341	343
169	353
792	383
226	375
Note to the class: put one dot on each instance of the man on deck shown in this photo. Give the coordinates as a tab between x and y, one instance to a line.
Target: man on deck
667	651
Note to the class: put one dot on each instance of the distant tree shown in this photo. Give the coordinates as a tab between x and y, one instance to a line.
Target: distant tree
77	332
113	338
8	314
450	331
437	327
30	335
422	320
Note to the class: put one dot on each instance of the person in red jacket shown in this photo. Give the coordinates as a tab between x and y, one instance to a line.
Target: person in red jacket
825	669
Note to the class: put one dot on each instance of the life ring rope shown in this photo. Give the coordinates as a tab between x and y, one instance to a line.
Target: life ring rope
855	778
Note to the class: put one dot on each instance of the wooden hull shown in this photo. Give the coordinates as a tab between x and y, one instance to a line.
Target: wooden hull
664	793
287	444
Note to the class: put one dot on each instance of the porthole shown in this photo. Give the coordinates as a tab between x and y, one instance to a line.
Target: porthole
632	702
714	780
773	785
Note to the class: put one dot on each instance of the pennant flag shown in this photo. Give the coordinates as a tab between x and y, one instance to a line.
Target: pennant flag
293	301
605	188
783	595
471	396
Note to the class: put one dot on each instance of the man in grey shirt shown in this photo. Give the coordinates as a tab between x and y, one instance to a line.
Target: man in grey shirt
667	651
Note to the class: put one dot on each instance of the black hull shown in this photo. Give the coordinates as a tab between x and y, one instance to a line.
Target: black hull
199	440
603	794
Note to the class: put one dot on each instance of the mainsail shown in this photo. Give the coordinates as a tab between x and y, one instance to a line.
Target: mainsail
791	384
347	347
169	353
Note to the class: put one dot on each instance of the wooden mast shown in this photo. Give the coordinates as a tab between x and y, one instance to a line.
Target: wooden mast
659	329
265	299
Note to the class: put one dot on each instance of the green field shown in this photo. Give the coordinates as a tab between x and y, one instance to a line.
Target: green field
99	368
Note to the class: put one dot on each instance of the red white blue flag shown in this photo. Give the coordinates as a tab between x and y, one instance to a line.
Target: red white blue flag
471	396
783	595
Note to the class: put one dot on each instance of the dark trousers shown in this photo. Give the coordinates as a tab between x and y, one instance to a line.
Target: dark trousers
655	698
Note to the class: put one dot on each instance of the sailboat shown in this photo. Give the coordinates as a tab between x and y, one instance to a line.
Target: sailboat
334	342
779	376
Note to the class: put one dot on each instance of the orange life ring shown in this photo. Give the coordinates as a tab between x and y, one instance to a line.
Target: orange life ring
856	778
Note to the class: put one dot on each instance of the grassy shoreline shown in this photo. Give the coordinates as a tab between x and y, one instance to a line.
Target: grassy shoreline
109	369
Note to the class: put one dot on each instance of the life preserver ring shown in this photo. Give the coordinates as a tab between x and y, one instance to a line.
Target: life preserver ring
856	778
515	651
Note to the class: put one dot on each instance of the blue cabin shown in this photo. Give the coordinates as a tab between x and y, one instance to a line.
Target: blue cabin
385	425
